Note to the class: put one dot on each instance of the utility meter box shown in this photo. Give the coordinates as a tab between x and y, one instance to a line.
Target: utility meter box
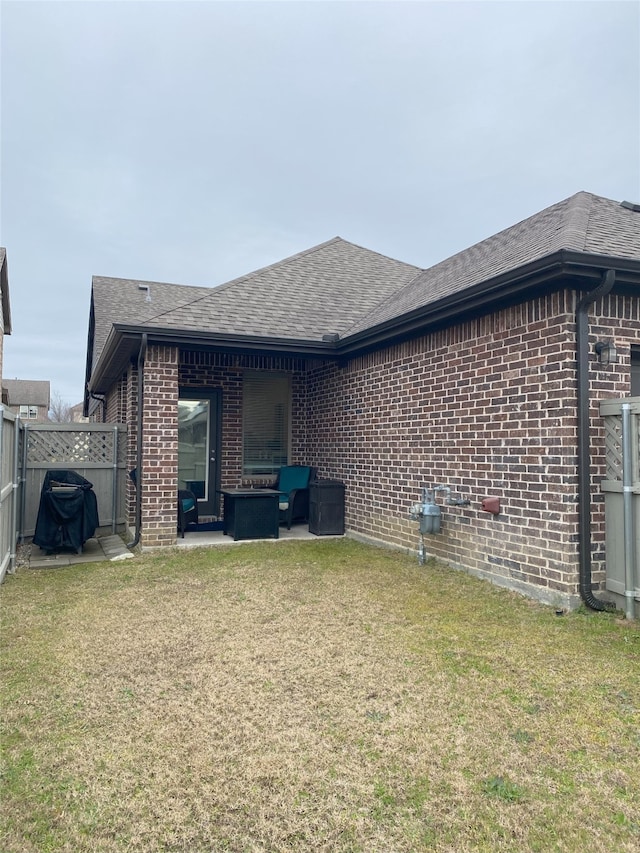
430	518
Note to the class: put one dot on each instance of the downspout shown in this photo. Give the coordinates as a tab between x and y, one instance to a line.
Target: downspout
16	473
584	455
101	399
138	466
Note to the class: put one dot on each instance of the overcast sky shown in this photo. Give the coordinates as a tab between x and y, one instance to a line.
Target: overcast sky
192	142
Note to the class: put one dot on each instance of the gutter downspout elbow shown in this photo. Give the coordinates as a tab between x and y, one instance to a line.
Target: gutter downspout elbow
141	355
584	458
101	399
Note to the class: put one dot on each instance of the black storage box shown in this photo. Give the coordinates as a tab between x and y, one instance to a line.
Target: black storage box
326	507
68	512
251	513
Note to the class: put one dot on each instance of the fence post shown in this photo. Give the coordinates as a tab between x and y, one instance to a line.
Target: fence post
627	511
15	476
23	493
114	491
3	561
9	448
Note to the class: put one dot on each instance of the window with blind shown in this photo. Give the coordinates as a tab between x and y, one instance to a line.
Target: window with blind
266	416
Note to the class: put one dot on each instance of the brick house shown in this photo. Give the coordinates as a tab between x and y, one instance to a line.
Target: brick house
480	374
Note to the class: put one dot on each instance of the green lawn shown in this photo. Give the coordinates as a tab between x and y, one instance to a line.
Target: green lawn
312	696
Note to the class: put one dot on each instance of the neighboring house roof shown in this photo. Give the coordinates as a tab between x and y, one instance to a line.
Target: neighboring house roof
27	392
4	287
337	297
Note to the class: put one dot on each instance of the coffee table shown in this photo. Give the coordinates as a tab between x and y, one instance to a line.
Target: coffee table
251	513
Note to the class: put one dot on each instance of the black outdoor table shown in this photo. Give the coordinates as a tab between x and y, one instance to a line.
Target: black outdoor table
251	513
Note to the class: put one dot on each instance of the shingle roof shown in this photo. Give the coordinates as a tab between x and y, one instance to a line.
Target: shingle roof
27	392
131	302
322	290
582	223
343	289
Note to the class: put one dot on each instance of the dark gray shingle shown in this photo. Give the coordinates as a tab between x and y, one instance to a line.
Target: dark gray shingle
341	288
581	223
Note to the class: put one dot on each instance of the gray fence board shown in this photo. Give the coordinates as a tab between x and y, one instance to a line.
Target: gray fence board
10	448
95	451
612	487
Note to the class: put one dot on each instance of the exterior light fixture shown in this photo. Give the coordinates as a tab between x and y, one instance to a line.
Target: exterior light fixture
606	352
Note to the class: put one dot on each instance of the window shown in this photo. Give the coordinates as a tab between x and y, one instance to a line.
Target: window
30	412
266	408
635	371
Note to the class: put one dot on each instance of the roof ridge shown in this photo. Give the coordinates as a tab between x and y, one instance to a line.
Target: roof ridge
576	222
179	288
379	254
148	281
225	285
279	264
289	259
568	224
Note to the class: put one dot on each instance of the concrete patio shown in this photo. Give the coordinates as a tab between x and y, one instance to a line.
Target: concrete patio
114	547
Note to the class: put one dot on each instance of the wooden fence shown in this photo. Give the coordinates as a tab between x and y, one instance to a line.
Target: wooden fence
97	452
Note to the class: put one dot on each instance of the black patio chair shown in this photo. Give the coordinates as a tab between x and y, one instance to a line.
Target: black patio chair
187	510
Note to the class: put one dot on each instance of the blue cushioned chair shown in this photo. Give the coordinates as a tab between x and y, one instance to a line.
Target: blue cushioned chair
293	484
187	509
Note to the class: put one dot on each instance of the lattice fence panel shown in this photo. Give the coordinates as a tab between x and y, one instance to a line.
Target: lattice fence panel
87	449
622	504
73	448
613	446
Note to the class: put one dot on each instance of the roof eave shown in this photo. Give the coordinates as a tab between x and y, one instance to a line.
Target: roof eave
584	268
124	341
581	268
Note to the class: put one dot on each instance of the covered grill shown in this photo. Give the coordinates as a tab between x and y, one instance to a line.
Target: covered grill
68	512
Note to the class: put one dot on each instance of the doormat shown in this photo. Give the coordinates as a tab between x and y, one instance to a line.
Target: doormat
210	525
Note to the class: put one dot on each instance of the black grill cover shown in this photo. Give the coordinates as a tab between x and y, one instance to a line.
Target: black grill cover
68	512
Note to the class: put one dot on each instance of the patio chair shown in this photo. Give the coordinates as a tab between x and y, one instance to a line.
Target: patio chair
293	484
187	510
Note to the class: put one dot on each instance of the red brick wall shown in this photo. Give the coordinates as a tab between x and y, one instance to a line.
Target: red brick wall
159	446
488	408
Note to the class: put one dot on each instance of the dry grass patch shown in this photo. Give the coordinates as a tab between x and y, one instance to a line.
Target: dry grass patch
310	697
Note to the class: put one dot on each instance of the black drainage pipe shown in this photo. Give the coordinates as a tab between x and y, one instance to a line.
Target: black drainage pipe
138	468
584	450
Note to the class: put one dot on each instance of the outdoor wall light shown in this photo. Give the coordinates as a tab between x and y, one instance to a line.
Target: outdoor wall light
607	353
